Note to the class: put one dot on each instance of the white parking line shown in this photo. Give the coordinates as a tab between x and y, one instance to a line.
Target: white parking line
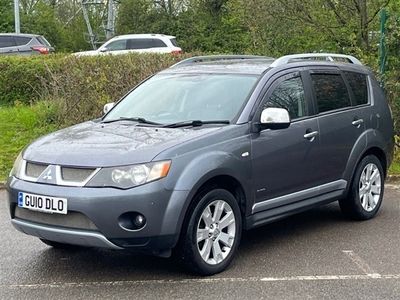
360	263
202	280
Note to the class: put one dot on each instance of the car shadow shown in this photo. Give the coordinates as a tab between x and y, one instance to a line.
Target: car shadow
92	265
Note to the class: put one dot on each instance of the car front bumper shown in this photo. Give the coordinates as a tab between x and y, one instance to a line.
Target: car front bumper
101	208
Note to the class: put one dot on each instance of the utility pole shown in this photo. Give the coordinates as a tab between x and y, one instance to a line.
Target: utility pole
16	16
110	29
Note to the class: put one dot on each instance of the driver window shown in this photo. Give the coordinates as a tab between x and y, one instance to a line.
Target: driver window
117	45
289	94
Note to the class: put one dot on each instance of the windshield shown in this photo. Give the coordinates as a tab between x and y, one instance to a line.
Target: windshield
171	98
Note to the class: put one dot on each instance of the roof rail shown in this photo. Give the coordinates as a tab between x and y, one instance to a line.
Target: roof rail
210	58
328	57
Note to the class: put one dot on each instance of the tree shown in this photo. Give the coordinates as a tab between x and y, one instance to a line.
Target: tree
6	16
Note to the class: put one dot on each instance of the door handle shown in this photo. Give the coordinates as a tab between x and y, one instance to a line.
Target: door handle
311	135
357	123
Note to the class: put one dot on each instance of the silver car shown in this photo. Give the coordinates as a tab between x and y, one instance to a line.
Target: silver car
24	44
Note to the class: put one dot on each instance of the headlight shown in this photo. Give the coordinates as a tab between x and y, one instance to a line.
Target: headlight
17	168
130	176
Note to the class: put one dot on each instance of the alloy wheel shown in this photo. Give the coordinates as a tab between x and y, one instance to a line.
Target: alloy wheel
369	187
216	232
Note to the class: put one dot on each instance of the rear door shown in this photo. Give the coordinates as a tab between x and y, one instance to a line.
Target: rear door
22	45
340	123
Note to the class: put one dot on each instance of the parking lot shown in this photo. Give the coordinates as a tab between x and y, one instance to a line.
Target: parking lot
314	255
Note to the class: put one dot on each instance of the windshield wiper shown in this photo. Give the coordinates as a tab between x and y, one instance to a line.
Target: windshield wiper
136	119
195	123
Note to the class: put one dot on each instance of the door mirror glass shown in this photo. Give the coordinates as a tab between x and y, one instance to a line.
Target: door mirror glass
108	107
275	118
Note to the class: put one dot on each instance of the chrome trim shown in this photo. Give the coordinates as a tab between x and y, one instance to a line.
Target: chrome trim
311	136
357	123
58	176
66	236
300	195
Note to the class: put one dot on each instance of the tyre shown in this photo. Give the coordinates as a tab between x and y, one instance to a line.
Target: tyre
58	245
366	191
212	234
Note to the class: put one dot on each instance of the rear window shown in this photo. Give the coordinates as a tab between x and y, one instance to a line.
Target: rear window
145	43
359	86
7	41
173	41
22	40
330	91
43	41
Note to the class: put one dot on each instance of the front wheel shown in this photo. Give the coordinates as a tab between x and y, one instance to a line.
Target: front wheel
213	233
366	193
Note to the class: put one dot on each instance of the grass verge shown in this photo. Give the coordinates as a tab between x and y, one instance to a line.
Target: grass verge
20	125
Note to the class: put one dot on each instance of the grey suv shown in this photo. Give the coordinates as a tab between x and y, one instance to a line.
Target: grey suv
24	44
206	149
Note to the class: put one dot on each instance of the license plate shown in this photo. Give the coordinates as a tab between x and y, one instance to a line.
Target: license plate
42	203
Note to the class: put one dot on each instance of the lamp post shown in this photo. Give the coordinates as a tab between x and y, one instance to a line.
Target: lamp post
16	16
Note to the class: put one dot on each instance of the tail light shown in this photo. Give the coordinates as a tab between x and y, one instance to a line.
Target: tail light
40	49
176	52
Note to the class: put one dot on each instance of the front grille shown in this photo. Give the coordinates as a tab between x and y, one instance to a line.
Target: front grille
75	174
71	220
56	174
34	170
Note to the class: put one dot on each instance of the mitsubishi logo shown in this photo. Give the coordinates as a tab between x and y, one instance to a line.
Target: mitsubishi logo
48	175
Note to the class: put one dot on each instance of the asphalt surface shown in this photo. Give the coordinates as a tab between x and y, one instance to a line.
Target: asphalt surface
314	255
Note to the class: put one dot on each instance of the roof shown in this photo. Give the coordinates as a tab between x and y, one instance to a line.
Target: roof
142	35
257	65
253	67
20	34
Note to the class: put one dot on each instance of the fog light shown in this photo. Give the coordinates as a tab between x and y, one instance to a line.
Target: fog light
139	221
132	220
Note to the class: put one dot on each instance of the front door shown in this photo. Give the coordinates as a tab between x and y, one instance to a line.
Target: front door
285	161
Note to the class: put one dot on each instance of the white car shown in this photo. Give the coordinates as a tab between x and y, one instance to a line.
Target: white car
141	43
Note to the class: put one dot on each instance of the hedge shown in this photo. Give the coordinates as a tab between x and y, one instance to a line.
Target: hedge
80	86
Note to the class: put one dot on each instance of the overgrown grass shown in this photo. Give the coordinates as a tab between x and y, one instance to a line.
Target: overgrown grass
395	168
19	126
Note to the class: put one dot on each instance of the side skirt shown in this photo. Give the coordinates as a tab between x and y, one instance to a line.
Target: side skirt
275	214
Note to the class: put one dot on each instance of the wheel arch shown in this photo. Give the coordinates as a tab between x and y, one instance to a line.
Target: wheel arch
223	181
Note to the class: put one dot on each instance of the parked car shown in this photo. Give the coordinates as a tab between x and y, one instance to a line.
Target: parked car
206	149
24	44
141	43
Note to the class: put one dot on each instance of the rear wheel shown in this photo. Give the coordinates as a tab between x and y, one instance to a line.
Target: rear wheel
213	233
366	193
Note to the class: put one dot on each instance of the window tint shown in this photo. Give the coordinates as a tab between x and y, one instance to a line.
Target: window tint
330	91
358	84
7	41
43	41
173	41
289	94
117	45
145	43
21	40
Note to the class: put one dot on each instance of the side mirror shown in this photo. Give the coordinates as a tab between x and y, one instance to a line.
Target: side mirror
275	118
108	107
103	50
